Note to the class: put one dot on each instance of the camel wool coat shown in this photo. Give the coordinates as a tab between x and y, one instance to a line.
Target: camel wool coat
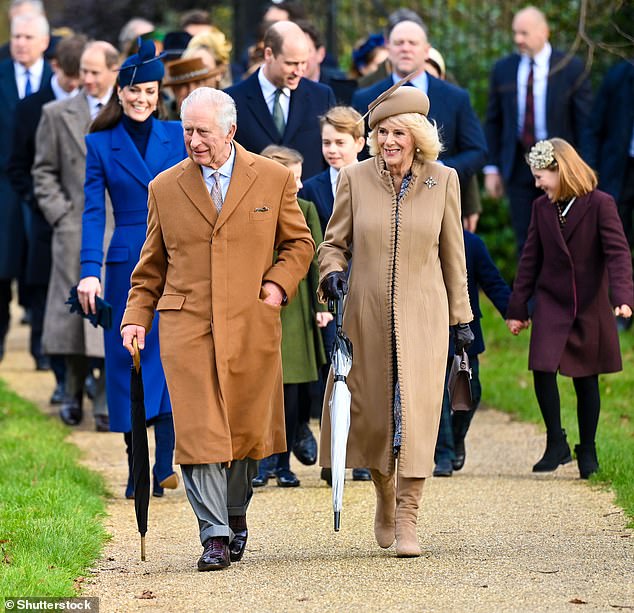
427	262
203	272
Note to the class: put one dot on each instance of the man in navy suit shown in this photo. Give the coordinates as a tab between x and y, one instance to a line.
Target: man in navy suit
20	76
610	145
450	107
277	106
28	111
534	94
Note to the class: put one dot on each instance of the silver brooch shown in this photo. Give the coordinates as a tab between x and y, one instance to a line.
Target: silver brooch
430	182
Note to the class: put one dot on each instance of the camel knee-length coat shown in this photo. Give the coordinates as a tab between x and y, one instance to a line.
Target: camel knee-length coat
220	342
427	262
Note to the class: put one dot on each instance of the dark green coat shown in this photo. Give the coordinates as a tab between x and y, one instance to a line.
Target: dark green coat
302	348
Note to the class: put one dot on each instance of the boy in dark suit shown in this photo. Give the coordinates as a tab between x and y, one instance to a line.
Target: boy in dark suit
481	274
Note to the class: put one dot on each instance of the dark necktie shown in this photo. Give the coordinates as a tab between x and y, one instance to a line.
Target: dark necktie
28	90
528	131
278	113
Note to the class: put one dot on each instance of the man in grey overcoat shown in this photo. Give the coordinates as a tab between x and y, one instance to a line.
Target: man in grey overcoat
58	175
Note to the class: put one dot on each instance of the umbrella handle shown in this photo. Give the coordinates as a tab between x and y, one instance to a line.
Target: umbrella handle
136	358
336	308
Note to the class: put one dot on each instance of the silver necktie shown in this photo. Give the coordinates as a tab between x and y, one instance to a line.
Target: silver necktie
216	192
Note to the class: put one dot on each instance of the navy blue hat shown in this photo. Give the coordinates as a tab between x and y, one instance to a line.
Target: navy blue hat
142	67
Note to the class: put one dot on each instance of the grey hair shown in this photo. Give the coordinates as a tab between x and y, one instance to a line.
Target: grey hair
39	20
128	33
226	114
36	5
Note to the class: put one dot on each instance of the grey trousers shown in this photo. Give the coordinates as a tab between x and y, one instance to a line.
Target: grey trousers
77	369
217	493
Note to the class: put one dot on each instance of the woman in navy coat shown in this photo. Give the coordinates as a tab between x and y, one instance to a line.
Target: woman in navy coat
575	251
126	149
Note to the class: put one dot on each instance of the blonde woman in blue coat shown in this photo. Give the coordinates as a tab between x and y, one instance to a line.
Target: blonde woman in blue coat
126	149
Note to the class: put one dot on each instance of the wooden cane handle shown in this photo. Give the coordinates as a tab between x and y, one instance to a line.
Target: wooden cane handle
136	358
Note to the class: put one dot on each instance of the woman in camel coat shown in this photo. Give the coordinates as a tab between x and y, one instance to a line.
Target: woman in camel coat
396	228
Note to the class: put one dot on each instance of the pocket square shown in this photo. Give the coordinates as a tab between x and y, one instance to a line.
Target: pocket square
261	209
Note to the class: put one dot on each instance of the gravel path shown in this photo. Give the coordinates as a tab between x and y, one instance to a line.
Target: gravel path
495	537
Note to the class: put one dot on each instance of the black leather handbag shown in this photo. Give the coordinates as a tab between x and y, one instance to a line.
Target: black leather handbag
459	383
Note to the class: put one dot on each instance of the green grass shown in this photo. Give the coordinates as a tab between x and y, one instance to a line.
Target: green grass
507	384
51	508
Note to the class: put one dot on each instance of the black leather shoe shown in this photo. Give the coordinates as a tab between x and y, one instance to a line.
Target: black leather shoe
557	452
286	478
215	555
361	474
238	525
443	469
326	475
460	454
57	397
102	423
71	412
260	480
586	460
305	445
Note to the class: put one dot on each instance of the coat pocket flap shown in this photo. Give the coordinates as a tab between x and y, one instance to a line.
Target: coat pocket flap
170	302
117	254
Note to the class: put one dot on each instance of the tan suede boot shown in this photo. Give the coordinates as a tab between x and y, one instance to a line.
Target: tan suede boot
408	495
385	508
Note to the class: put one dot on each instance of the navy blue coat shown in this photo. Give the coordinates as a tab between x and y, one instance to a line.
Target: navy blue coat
113	162
256	129
318	190
482	274
610	131
11	218
460	130
27	117
568	103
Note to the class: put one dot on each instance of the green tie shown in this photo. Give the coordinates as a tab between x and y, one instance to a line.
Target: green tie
278	114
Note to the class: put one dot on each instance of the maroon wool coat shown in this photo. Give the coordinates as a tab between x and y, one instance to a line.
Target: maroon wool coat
569	271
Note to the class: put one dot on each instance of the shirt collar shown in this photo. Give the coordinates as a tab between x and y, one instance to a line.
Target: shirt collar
35	71
334	173
542	58
92	101
268	89
61	94
225	170
420	81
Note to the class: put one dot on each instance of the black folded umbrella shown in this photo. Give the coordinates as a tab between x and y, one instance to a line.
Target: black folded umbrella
140	453
103	316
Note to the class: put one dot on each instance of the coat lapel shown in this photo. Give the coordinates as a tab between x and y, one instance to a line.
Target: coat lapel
77	116
128	157
242	178
300	101
259	110
578	211
193	185
159	144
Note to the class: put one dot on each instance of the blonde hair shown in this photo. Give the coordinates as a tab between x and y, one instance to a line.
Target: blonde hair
343	119
284	155
427	143
576	178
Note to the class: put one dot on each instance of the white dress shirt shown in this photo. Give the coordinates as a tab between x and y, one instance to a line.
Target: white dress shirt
93	103
59	93
540	86
36	71
225	171
268	91
421	81
334	173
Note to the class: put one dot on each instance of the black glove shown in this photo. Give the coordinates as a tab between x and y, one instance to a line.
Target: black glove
462	337
334	285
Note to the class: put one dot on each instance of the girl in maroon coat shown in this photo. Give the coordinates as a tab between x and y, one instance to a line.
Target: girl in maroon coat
575	250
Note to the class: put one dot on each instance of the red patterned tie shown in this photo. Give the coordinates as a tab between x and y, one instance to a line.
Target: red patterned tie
528	131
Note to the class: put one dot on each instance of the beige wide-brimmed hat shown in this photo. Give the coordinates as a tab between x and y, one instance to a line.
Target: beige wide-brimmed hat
188	70
396	100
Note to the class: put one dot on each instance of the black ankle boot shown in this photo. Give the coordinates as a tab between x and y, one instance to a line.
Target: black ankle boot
586	460
557	452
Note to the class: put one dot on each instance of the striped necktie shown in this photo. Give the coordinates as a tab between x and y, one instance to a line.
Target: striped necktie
216	192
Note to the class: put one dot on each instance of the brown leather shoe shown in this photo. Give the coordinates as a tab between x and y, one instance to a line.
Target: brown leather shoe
238	525
215	555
